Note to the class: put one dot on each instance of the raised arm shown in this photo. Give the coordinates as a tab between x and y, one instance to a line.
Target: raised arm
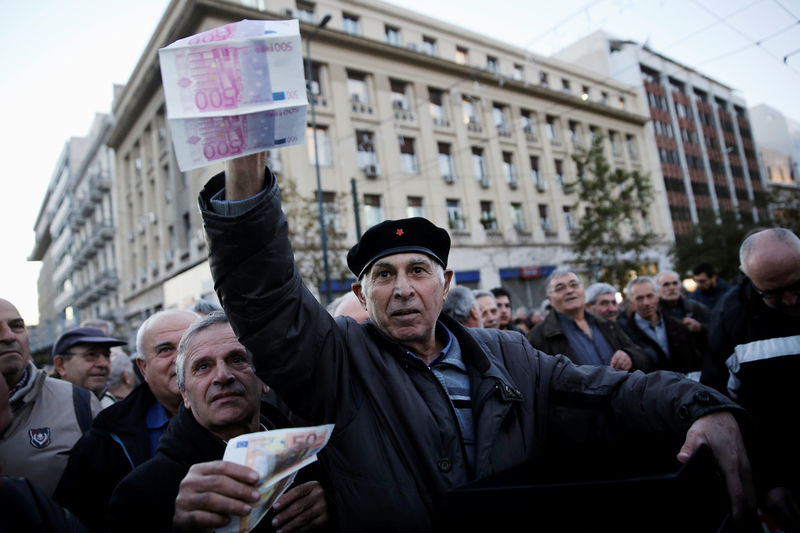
244	176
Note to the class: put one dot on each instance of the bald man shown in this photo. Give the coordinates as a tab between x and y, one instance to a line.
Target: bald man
754	356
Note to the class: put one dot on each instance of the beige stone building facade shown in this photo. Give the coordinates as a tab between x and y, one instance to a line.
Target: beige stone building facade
414	116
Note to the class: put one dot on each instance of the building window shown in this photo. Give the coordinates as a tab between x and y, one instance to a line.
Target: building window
630	142
351	24
604	98
543	79
399	95
488	218
373	210
574	132
518	217
415	207
492	64
569	221
330	211
593	133
446	162
585	93
518	73
408	159
462	55
436	105
315	84
324	150
552	132
479	166
526	122
470	110
305	11
565	86
536	176
559	164
365	147
621	102
392	34
429	45
357	87
455	217
614	141
500	114
510	170
544	218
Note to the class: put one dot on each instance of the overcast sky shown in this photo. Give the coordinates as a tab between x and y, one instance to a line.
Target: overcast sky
61	59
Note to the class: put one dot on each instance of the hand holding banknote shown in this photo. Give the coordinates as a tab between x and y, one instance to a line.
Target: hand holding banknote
213	491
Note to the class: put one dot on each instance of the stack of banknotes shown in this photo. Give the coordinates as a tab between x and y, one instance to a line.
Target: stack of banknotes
276	455
234	90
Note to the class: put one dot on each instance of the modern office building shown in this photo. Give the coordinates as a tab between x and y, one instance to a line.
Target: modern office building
778	141
699	129
413	116
75	238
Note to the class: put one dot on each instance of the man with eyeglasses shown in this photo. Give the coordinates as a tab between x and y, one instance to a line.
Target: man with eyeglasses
585	338
754	356
82	356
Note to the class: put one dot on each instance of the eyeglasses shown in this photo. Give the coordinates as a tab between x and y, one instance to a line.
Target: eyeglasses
777	294
561	287
90	356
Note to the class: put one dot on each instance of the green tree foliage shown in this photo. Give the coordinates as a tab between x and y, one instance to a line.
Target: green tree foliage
611	236
302	214
711	240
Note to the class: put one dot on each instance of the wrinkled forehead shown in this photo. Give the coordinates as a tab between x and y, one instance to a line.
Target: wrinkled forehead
8	311
564	279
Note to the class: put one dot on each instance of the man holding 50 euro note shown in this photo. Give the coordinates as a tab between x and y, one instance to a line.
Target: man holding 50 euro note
422	405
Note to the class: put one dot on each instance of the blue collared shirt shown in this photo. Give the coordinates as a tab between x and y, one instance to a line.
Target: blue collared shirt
156	421
587	350
450	370
658	332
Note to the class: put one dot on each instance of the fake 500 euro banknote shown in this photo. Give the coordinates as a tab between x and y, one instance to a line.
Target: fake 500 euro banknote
245	69
276	455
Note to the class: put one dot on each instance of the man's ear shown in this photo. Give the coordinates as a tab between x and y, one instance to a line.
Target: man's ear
186	401
141	362
58	364
448	277
359	292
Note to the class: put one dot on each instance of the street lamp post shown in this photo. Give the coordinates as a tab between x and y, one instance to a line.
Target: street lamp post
323	233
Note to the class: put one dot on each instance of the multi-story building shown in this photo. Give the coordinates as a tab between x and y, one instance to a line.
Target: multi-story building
418	116
699	129
778	140
75	237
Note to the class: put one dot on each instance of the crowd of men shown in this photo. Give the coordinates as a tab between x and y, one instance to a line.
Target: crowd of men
430	386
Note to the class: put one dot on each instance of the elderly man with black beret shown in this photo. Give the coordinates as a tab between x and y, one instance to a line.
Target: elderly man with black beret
421	404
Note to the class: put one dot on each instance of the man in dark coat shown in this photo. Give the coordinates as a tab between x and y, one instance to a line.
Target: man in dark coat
692	314
583	337
658	332
221	400
710	287
421	404
126	434
754	355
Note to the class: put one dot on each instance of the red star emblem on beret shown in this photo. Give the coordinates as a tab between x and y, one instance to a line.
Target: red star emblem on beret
399	232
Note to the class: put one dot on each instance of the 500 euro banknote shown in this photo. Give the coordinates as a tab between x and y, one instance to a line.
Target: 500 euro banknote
201	141
277	456
242	69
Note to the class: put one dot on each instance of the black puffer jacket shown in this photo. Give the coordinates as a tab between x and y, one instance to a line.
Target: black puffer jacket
396	448
117	442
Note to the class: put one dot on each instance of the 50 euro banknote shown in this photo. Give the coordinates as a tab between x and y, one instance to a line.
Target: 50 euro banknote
276	455
243	69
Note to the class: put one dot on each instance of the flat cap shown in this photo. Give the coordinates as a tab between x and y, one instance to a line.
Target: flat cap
396	237
84	335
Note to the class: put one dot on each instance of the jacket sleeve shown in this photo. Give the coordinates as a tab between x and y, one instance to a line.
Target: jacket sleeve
641	360
295	343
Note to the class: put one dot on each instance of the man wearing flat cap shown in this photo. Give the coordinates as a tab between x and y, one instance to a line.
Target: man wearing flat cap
421	404
82	356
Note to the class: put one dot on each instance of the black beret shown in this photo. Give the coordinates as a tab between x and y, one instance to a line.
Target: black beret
399	236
